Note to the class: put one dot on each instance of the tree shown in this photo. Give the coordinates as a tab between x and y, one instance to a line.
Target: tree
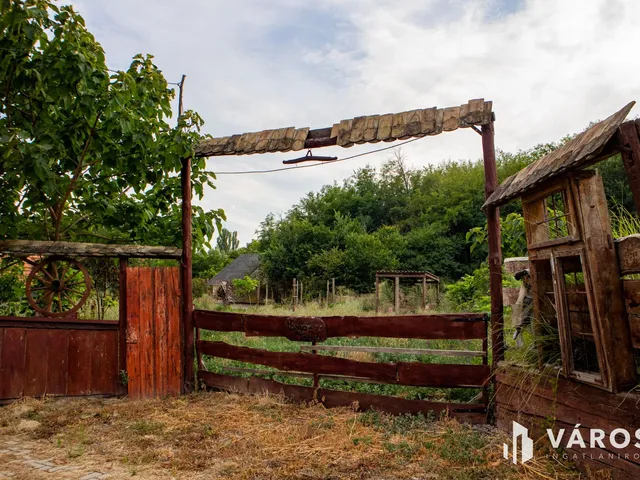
86	152
227	241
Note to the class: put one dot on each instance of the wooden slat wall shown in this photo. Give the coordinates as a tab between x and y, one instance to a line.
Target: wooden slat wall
537	401
154	341
38	358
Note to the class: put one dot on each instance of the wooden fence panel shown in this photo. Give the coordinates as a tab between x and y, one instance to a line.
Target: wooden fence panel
154	364
42	356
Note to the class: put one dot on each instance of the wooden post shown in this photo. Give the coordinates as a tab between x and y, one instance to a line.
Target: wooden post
327	293
122	322
628	137
266	292
396	297
495	249
294	296
301	288
377	294
424	293
259	288
438	293
186	265
333	290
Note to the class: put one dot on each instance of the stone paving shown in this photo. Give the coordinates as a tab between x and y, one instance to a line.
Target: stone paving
22	455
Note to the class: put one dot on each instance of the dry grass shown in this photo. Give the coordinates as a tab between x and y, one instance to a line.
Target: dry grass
218	435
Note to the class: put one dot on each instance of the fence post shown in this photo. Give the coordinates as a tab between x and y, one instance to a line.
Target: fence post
327	293
396	297
294	296
377	294
424	292
333	290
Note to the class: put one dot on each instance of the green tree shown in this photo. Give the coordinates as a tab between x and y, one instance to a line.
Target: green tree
87	152
227	241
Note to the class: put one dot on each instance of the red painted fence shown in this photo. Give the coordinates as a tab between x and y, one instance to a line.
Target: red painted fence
463	326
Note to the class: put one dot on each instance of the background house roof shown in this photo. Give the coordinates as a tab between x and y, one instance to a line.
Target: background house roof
246	264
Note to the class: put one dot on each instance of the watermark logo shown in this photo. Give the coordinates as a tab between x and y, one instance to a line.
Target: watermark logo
526	450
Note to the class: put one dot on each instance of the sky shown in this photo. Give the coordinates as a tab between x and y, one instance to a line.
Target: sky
549	66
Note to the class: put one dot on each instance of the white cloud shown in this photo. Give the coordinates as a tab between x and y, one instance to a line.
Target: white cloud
550	68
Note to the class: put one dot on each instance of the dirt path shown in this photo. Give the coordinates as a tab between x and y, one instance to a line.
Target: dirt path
222	436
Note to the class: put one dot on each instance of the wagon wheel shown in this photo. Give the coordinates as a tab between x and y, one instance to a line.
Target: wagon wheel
58	286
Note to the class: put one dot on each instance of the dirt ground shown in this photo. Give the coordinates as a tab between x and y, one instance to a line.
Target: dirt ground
226	436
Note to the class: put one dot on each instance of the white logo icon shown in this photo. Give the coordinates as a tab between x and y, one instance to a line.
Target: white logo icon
526	448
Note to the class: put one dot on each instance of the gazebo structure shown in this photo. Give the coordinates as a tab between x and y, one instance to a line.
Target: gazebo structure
427	277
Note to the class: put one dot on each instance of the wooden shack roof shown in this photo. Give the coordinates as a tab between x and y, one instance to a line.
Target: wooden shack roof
366	129
577	153
246	264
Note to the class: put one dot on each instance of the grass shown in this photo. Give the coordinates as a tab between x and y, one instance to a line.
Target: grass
226	436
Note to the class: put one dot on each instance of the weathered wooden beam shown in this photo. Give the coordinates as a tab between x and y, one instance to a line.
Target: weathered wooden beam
78	249
451	326
187	280
472	413
495	249
399	351
54	323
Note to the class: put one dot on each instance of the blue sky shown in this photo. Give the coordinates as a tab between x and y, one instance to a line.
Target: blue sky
550	67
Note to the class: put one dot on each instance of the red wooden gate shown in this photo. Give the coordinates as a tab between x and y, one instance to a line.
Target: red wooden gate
154	345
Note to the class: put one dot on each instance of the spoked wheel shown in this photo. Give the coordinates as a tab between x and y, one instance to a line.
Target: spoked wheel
58	286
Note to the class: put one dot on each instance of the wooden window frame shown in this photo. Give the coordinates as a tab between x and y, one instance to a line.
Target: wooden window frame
564	320
535	207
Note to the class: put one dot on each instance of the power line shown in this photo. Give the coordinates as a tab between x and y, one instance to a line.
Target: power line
246	172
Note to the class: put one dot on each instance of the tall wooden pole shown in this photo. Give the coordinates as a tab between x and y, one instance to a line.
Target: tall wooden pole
295	294
628	134
424	293
333	290
186	266
495	249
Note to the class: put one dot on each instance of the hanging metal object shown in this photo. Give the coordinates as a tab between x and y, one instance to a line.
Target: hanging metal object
310	157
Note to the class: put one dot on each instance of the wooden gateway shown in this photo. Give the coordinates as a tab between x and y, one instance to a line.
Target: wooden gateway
585	324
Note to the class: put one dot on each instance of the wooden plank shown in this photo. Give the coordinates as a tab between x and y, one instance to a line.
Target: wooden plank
439	375
357	129
450	120
632	295
58	362
79	249
81	346
35	382
371	129
578	396
57	323
122	322
399	351
459	326
428	121
385	123
344	133
344	378
161	344
104	363
218	321
146	341
134	387
628	254
473	413
174	338
301	362
606	288
397	127
12	363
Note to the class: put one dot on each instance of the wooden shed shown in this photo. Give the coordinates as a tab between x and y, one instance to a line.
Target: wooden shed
246	265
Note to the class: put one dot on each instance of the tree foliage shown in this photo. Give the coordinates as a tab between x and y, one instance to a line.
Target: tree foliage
86	152
398	217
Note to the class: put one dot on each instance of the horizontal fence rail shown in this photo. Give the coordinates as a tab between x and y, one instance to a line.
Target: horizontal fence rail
309	364
459	326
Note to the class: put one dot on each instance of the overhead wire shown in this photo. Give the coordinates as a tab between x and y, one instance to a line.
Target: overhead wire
246	172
